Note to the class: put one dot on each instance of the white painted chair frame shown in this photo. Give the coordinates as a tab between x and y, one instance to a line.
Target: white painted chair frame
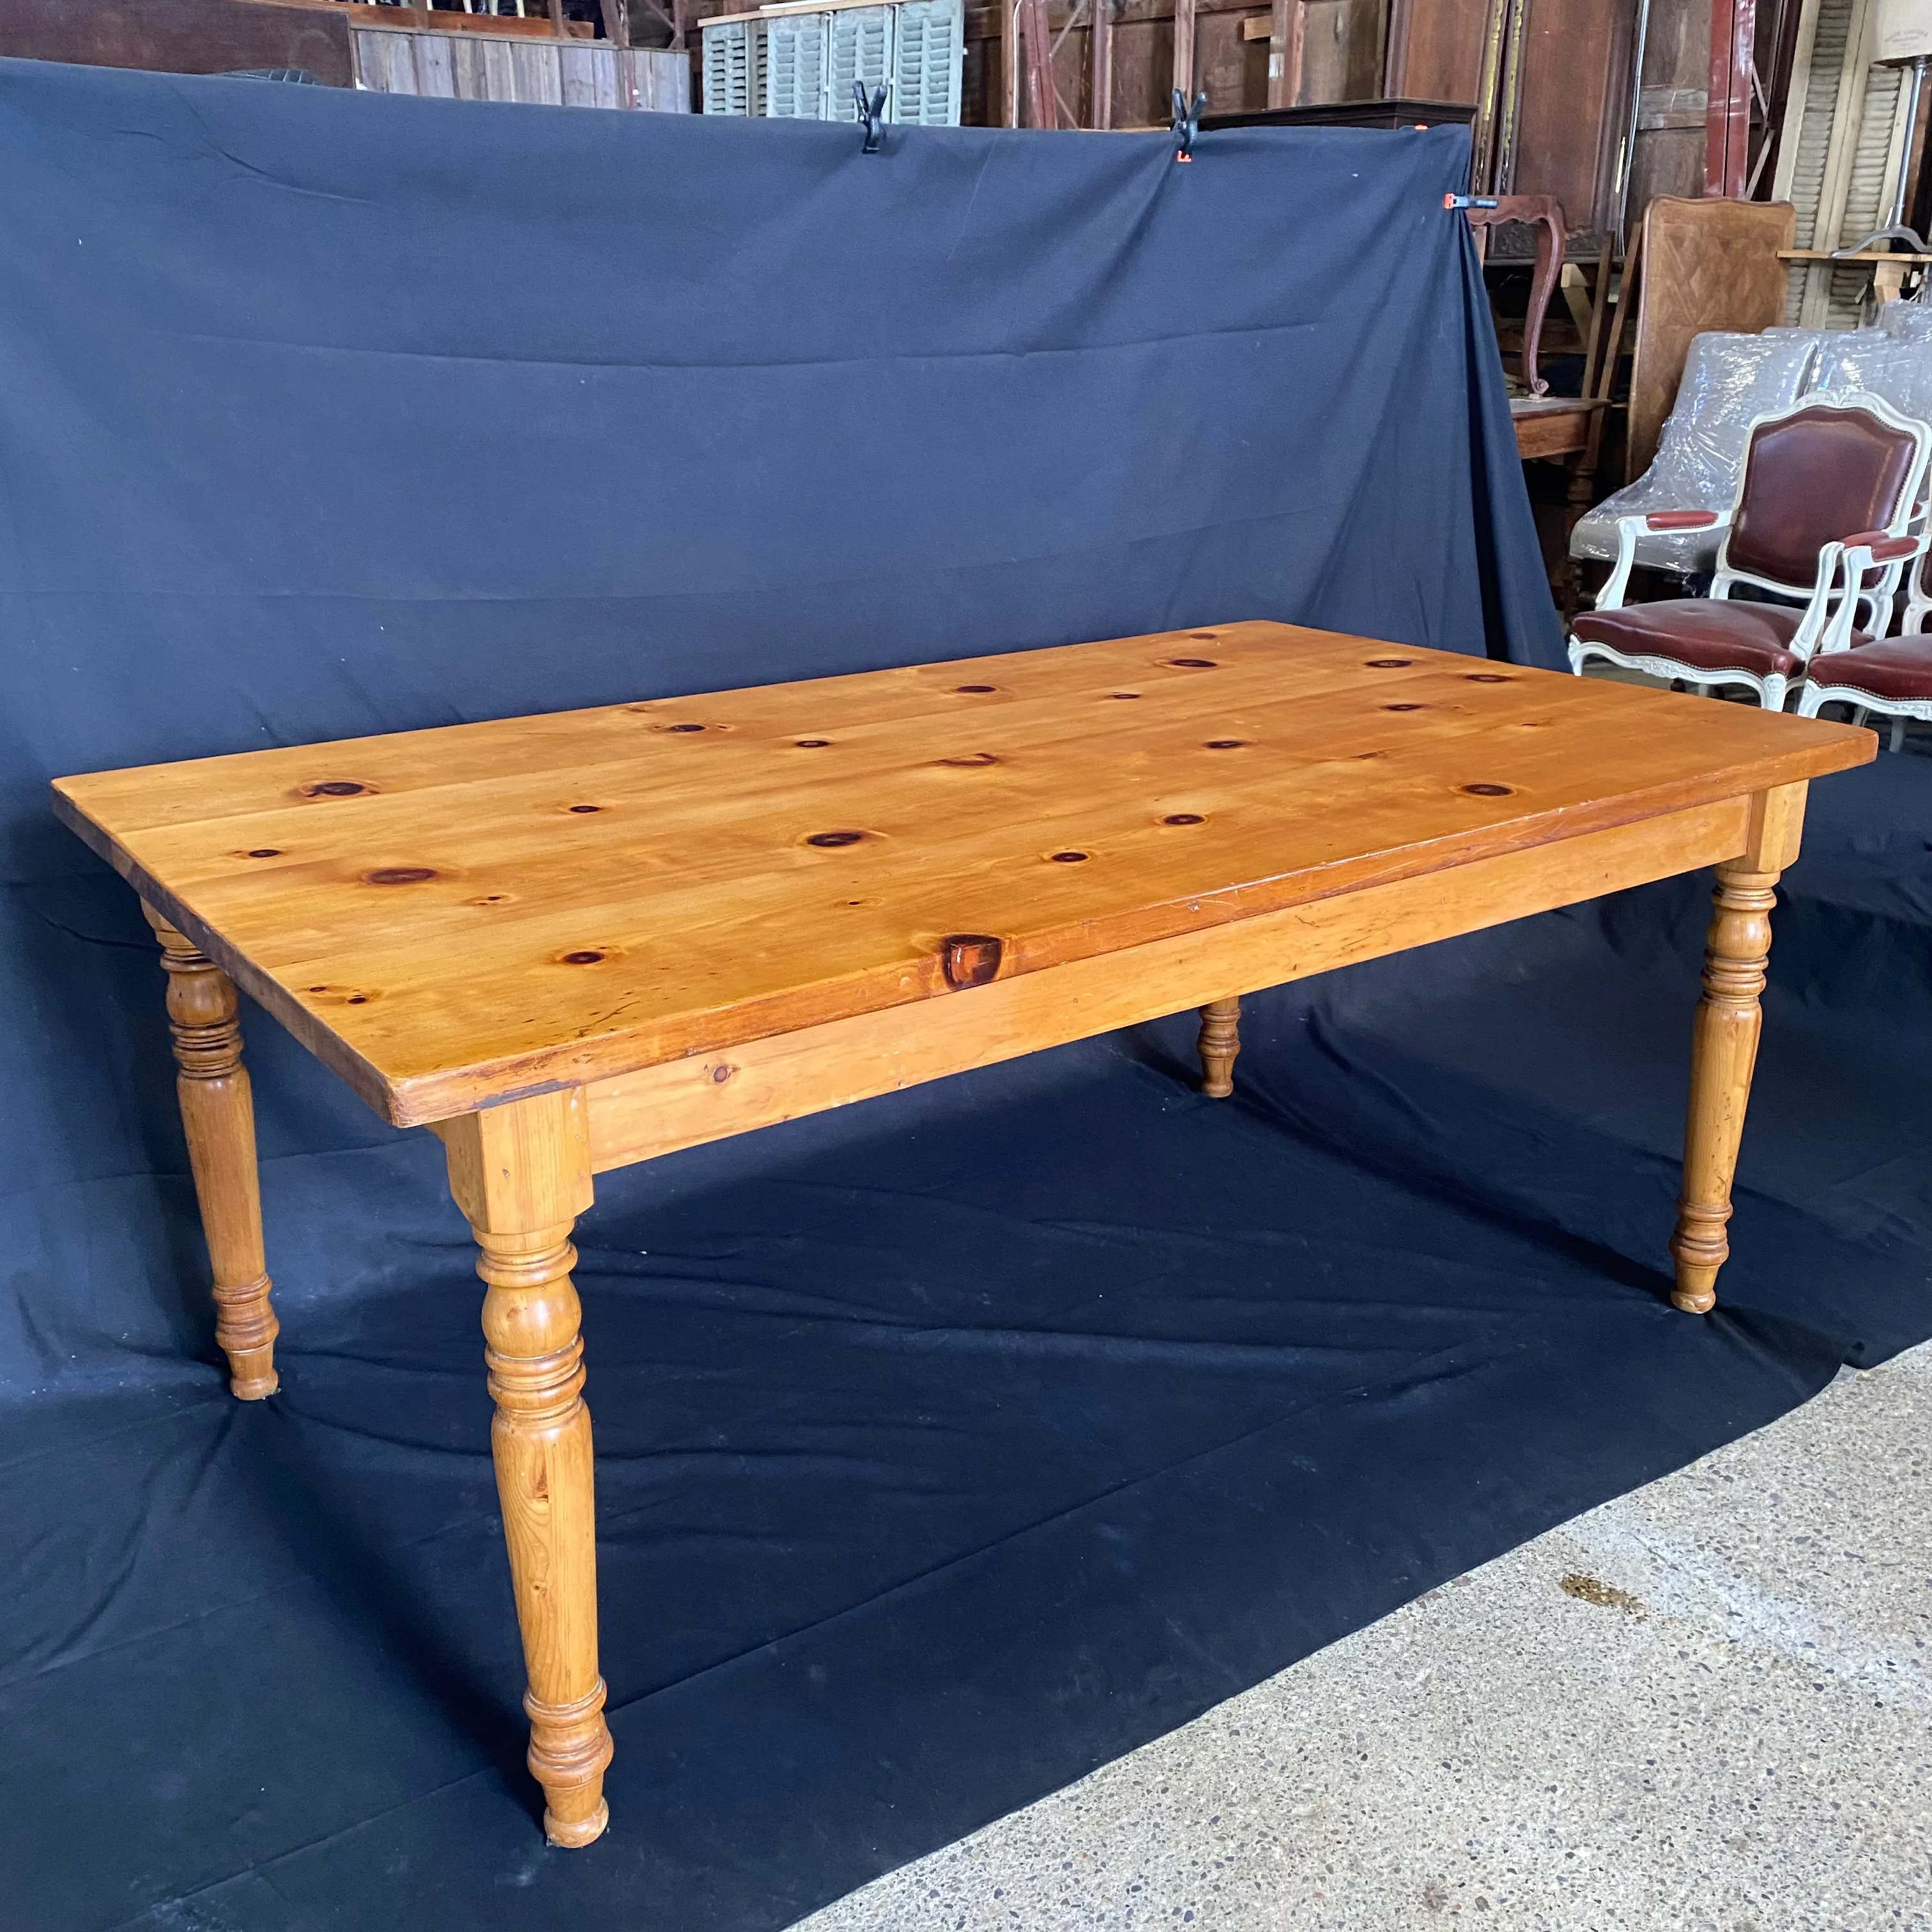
1918	603
1829	611
1813	698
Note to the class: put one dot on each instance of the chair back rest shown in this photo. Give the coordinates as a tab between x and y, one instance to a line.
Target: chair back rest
1841	461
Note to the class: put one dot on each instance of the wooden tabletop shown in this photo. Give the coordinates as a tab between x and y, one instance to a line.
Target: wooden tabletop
452	917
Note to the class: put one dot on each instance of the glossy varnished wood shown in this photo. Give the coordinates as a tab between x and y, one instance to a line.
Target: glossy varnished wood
1723	1041
575	941
658	1109
1218	1044
450	917
521	1175
218	1120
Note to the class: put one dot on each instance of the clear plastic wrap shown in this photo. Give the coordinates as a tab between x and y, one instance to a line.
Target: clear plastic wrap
1908	321
1896	368
1728	379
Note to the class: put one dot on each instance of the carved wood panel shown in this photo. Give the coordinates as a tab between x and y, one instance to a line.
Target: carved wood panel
1706	264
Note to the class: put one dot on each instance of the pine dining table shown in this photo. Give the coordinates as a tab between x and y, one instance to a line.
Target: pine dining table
569	942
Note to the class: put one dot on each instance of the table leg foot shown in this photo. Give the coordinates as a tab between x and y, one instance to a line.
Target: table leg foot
1219	1041
520	1173
218	1118
570	1746
1723	1051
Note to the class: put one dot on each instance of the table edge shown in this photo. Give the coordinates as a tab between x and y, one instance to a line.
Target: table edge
417	1100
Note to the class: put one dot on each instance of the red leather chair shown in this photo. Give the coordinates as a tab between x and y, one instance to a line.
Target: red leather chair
1891	676
1839	469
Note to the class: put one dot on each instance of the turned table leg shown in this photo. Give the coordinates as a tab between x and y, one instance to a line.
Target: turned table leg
521	1174
1723	1043
218	1118
1220	1040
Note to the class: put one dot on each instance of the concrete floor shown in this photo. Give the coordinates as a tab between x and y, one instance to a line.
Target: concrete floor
1706	1705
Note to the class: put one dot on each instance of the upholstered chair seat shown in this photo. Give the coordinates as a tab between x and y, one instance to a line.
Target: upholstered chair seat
1700	633
1895	667
1891	677
1822	517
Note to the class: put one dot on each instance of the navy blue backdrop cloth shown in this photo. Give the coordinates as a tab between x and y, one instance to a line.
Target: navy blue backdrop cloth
951	1444
329	414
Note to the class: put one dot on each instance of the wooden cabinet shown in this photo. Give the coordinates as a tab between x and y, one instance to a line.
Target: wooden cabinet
1551	80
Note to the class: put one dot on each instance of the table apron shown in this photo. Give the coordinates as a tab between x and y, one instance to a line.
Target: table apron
656	1110
1553	435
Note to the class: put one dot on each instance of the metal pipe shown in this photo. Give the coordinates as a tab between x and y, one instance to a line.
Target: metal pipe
1914	88
1626	160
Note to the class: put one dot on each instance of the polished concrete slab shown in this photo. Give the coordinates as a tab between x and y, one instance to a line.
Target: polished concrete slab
1706	1705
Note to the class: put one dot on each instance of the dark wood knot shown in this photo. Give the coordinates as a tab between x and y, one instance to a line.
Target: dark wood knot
1488	677
1205	637
1192	664
826	840
1387	664
334	788
969	959
965	689
585	808
1183	818
1226	744
977	760
811	744
584	956
1488	791
684	728
1068	858
1405	707
398	875
264	852
1123	693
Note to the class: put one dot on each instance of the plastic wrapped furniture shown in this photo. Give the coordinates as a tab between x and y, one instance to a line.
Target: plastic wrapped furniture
1894	366
1908	321
1729	381
1840	472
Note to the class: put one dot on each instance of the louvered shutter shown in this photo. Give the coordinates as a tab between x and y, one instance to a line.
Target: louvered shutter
928	62
860	49
733	83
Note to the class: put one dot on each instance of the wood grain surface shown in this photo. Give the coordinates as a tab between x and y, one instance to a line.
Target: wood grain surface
708	1096
450	917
